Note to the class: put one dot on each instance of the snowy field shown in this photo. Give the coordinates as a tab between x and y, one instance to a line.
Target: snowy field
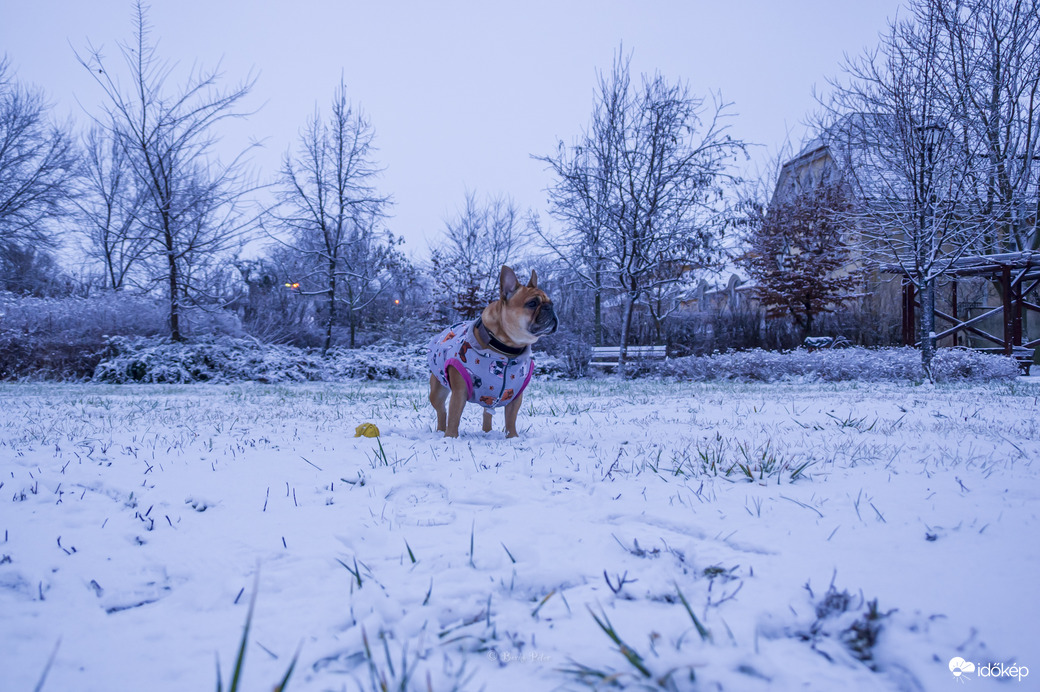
729	536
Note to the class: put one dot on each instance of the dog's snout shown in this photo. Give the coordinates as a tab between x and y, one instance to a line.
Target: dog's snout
547	320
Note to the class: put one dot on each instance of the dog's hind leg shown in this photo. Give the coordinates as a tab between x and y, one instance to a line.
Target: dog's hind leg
487	420
438	396
459	395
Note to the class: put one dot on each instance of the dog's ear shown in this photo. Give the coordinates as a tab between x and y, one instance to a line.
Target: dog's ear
508	283
533	283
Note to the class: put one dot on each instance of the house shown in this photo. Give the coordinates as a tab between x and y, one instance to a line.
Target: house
832	157
980	303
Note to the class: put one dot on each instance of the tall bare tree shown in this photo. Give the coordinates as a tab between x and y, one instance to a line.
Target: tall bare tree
370	263
913	165
110	206
330	206
37	164
643	189
192	209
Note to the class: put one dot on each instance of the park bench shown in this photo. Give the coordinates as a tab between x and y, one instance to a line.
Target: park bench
607	356
815	343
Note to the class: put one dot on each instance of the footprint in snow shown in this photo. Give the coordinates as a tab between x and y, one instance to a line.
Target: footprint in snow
421	504
197	504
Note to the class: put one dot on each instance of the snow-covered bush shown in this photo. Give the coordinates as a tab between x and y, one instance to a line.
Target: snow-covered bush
221	359
563	355
860	364
384	360
226	359
553	367
965	364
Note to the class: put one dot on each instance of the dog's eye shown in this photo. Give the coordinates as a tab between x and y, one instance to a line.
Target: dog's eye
533	303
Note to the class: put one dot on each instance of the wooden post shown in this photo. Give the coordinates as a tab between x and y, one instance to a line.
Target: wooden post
908	313
1016	313
1009	327
902	312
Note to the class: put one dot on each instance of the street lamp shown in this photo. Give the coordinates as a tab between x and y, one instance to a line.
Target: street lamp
931	135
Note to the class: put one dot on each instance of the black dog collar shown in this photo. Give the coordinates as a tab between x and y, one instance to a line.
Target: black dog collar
485	333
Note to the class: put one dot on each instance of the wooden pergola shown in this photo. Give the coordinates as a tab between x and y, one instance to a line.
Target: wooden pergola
1017	274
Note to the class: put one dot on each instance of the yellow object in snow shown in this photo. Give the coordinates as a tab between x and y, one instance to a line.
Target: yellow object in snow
367	430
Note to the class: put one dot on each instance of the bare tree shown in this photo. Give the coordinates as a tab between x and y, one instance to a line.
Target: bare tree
476	242
911	162
666	297
192	208
643	188
370	262
330	206
994	75
110	206
37	165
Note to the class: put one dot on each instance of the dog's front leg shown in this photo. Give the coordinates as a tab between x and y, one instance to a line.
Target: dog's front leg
513	408
438	397
487	420
459	395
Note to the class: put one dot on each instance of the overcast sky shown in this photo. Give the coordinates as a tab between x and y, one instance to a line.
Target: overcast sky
461	94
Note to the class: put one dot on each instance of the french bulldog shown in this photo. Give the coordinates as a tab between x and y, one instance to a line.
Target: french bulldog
487	361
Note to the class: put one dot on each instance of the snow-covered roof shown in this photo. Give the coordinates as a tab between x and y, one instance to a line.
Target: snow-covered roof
852	147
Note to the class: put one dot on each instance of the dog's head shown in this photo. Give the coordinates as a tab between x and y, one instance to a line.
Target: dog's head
522	314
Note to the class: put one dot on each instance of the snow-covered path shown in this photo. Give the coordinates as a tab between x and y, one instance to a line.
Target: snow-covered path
134	521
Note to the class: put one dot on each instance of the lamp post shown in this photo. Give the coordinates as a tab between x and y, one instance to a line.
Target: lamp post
929	139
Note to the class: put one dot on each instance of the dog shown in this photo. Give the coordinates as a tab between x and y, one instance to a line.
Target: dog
487	361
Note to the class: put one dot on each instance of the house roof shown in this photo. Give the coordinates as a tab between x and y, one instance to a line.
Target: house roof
850	144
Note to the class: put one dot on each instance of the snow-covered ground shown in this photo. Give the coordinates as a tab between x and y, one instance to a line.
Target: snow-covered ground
135	520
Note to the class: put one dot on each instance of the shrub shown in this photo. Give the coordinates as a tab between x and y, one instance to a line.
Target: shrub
563	354
214	359
966	364
63	338
226	359
384	360
550	367
861	364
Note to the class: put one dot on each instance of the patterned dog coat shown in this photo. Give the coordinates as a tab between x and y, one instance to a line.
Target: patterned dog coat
492	378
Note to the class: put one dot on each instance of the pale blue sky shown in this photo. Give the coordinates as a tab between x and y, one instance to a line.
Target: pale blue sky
460	93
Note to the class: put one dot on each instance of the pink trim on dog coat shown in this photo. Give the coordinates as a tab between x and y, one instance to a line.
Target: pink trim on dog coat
492	379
